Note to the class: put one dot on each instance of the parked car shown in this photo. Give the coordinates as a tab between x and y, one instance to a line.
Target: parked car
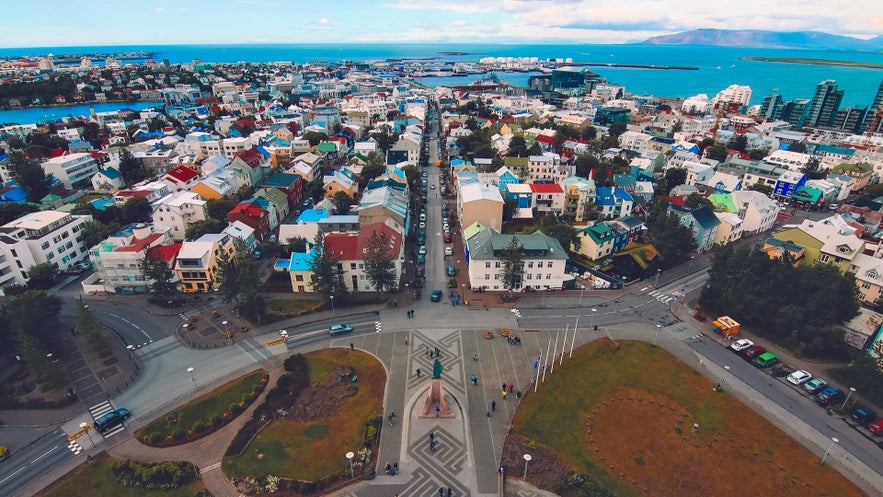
436	296
422	225
766	360
752	352
863	415
111	420
799	377
830	396
449	251
421	271
421	237
337	329
421	258
447	237
422	250
740	345
452	271
815	385
257	253
876	427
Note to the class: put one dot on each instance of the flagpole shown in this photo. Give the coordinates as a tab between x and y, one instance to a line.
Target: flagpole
575	326
564	344
556	350
548	349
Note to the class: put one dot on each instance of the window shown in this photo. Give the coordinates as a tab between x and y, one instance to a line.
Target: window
530	265
497	265
866	286
353	265
823	258
529	276
299	277
487	276
548	276
44	245
487	265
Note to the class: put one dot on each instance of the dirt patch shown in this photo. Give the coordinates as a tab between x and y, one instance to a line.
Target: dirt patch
547	469
322	400
652	444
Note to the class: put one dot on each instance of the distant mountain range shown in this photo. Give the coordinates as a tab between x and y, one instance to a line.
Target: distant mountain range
767	39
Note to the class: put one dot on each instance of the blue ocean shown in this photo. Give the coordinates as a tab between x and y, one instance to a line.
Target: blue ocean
719	67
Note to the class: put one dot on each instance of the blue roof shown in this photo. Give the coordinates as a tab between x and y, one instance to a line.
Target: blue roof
102	203
312	215
606	195
110	172
832	149
300	261
16	195
280	180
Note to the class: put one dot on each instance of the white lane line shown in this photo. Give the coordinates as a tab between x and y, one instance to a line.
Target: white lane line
44	454
13	474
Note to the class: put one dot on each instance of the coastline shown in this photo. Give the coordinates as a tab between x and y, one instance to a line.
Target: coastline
814	62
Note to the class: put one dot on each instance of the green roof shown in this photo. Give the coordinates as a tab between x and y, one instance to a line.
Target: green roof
723	202
807	194
327	147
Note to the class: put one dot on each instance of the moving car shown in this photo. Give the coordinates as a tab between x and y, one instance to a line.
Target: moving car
337	329
432	186
799	377
422	225
815	385
110	420
740	345
830	396
436	296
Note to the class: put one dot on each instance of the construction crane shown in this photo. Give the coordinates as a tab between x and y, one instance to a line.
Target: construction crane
875	123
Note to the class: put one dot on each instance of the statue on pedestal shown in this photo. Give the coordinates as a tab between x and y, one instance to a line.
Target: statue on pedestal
436	406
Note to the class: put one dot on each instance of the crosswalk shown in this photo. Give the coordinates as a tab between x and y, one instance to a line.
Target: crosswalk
75	447
378	326
665	297
101	409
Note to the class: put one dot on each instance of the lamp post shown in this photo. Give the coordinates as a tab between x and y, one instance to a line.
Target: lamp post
594	311
721	381
834	440
331	297
692	258
349	457
527	459
193	378
851	391
658	272
656	336
581	289
84	426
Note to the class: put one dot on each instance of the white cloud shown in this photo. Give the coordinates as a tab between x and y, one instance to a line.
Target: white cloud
471	7
160	11
324	21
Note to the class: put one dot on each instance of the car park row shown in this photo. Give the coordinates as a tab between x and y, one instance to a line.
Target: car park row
861	418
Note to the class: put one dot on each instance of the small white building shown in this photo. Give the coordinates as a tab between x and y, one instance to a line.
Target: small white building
178	211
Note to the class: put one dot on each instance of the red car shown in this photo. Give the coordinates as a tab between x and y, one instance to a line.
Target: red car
876	427
752	352
447	238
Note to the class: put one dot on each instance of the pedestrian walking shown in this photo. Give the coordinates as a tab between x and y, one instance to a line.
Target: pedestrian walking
431	436
352	346
511	387
418	372
406	340
488	414
493	405
425	349
437	352
505	393
503	387
449	492
441	491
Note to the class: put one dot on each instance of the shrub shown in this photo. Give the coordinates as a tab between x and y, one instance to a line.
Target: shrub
154	438
371	434
216	420
178	435
296	363
199	427
164	475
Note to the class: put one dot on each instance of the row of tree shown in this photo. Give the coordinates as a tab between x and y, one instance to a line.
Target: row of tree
798	307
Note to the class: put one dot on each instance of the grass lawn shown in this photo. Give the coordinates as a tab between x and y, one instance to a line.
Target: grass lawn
212	405
630	416
97	480
312	450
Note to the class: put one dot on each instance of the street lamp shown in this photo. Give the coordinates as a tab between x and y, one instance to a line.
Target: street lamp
851	391
690	270
84	426
593	317
331	297
527	459
834	440
193	377
656	336
658	272
721	381
349	457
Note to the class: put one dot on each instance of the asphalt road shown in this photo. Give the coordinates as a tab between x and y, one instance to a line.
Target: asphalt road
35	460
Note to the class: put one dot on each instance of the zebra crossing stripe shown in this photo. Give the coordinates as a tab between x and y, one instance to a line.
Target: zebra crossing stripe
378	326
75	447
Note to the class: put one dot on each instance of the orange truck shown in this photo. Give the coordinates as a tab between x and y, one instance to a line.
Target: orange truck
727	326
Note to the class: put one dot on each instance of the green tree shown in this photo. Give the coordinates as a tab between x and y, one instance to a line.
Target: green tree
88	324
585	164
131	169
238	281
510	207
757	154
371	171
674	176
385	137
199	228
616	129
342	202
314	137
717	152
761	187
217	209
517	147
327	276
94	232
34	312
379	266
11	211
705	143
29	174
137	210
672	240
564	233
813	169
871	192
315	190
799	147
739	143
159	276
512	270
697	199
43	276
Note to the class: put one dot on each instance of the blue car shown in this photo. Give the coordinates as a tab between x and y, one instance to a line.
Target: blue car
830	396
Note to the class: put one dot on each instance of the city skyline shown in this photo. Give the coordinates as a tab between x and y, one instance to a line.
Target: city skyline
172	22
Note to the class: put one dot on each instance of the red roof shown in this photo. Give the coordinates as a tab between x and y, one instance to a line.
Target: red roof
139	245
343	246
134	193
251	157
392	235
250	209
182	174
545	139
167	253
546	188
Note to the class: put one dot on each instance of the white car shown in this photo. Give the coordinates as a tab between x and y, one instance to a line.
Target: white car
799	377
446	227
422	250
422	225
449	251
740	345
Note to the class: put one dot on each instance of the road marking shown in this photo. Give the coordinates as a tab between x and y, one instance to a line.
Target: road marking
274	342
13	474
210	467
44	454
644	289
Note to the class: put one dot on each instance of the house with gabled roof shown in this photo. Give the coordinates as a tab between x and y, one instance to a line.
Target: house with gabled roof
579	198
701	221
827	241
279	201
596	241
613	203
548	198
252	215
480	203
389	202
349	250
244	233
197	262
544	260
308	165
178	211
292	185
342	180
107	178
215	187
180	178
117	258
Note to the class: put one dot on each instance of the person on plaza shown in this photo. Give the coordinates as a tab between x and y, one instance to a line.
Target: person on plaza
493	405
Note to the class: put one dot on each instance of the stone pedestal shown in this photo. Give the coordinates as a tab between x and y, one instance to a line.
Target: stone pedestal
436	406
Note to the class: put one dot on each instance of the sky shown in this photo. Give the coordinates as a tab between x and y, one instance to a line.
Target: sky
49	23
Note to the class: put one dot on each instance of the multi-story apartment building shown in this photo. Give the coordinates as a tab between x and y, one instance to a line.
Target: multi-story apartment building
825	103
178	211
117	259
38	237
546	168
544	260
73	170
198	261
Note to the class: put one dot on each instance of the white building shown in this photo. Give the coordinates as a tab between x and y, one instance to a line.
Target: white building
544	260
73	170
793	161
695	104
758	212
178	211
117	259
38	237
740	94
